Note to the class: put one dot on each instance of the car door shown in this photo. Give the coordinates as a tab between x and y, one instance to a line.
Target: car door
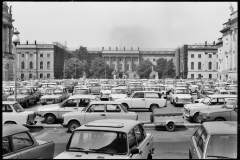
113	111
138	100
95	112
142	142
132	143
194	147
7	149
69	106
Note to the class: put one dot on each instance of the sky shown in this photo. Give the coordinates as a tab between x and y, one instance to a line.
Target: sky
120	24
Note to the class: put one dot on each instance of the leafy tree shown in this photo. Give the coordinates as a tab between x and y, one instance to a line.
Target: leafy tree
144	69
160	67
81	53
98	69
74	67
170	69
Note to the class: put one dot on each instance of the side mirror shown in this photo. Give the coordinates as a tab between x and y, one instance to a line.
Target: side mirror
134	151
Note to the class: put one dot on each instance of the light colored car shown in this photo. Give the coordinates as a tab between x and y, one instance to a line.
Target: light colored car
4	95
118	92
110	139
105	91
164	90
233	92
214	140
18	143
211	102
13	113
81	91
144	100
180	95
95	111
231	87
221	85
228	112
54	112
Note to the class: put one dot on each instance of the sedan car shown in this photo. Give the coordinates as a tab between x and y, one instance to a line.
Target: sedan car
214	140
109	139
118	92
180	95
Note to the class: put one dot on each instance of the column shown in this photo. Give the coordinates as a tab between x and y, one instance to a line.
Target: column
3	38
124	64
7	40
117	63
109	61
131	66
10	39
27	63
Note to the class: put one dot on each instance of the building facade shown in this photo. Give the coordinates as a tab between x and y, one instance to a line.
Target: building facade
228	49
41	61
7	31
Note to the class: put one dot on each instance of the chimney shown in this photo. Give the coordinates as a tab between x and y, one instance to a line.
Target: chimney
35	42
27	42
116	48
109	48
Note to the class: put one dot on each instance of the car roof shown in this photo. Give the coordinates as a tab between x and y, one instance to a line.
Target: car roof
221	127
222	96
82	96
180	88
117	125
105	102
9	102
10	129
120	87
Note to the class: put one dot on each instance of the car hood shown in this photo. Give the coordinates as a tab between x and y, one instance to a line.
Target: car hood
27	112
187	106
18	96
82	155
50	96
119	95
48	107
183	96
216	110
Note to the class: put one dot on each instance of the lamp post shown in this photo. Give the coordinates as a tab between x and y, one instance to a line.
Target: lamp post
16	41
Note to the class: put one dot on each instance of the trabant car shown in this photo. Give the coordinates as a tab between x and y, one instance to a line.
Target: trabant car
81	91
4	95
211	102
233	92
54	112
118	92
214	140
69	85
144	100
54	95
94	87
25	97
8	90
95	111
201	96
131	87
35	91
180	95
231	87
13	113
221	85
109	139
152	89
105	92
18	143
227	112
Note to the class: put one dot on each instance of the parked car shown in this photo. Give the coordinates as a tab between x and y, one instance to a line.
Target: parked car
233	92
94	87
54	95
105	92
8	90
201	96
95	111
13	113
131	87
146	88
69	85
231	87
110	138
221	85
18	143
25	97
227	112
180	95
164	91
118	92
35	91
144	100
4	95
81	91
214	140
211	102
54	112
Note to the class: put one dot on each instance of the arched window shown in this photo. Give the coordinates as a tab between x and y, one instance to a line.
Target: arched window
48	65
199	65
31	65
30	76
210	65
192	65
41	65
22	65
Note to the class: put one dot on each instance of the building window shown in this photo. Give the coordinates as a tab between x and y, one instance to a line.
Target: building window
48	65
199	76
41	55
199	65
199	55
31	65
210	55
217	66
41	65
192	76
30	76
192	65
192	55
48	55
22	65
120	59
210	65
31	55
210	76
48	75
22	76
113	59
41	75
22	55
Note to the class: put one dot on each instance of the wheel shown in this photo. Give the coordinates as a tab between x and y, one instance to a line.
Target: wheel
170	127
149	156
125	105
27	104
190	156
35	102
153	106
196	118
50	119
151	118
73	125
10	123
219	119
175	105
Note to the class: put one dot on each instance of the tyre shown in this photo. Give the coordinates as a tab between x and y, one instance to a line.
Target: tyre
190	156
196	118
149	156
35	102
125	105
27	104
73	125
170	127
153	106
50	119
219	119
175	105
151	118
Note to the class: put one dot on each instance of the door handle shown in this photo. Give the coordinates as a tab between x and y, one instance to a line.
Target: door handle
143	99
102	114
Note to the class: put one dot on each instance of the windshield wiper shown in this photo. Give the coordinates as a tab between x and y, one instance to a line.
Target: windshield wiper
101	150
219	156
78	148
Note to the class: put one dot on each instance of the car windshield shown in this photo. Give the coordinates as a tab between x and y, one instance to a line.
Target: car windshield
152	89
222	146
53	91
22	91
118	91
106	87
80	91
18	107
58	92
182	91
99	142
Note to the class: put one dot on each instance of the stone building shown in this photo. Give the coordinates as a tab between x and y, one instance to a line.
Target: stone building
40	61
7	31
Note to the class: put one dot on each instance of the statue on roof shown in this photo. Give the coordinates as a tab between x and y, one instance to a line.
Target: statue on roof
10	10
231	8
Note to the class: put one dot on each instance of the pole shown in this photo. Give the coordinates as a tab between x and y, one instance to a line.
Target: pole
15	74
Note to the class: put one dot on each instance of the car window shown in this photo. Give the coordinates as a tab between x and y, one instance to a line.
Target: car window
21	140
83	102
113	108
139	135
138	95
233	93
6	108
132	140
202	141
142	130
96	108
70	103
152	95
6	147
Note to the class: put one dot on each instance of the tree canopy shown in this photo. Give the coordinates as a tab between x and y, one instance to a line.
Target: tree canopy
144	69
73	68
165	68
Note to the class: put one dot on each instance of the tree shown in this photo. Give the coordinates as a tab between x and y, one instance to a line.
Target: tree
160	67
100	69
81	53
74	68
170	69
144	69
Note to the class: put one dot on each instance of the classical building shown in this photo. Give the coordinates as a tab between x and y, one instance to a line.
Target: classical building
196	61
7	30
228	49
41	60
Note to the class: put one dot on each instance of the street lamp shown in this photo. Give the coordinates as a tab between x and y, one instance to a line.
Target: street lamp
16	41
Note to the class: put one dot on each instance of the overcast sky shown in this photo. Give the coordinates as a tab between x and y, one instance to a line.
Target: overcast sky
119	24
